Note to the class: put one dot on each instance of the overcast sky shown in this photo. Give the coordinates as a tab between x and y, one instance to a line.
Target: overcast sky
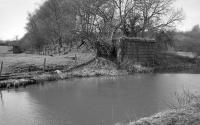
13	15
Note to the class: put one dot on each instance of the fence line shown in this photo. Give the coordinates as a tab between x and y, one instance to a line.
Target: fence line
1	69
44	64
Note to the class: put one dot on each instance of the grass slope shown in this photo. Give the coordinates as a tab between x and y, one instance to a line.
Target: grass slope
185	112
188	42
16	63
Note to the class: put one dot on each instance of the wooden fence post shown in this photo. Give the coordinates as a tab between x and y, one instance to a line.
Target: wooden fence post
44	65
75	59
1	69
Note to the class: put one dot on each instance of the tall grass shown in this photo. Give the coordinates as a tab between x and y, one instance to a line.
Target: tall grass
182	99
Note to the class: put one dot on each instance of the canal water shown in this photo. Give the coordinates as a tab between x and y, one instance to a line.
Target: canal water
93	101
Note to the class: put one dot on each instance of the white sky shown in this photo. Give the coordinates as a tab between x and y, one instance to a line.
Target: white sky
13	16
191	10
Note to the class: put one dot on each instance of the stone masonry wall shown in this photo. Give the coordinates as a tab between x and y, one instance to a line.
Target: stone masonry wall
138	50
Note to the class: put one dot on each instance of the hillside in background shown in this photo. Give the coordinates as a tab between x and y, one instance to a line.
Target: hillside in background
188	41
2	43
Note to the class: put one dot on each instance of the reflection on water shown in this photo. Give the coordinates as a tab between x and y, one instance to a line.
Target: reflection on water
93	101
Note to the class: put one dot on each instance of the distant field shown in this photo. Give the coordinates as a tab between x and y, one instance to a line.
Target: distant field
24	59
188	42
5	49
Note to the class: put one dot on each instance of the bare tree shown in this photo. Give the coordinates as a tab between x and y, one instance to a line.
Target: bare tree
141	16
123	8
158	14
100	21
93	21
53	22
196	28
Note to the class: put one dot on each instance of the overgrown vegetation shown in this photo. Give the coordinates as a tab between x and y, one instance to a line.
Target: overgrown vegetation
183	99
188	41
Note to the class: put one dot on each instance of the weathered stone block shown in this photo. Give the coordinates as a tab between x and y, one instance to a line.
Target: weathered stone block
139	50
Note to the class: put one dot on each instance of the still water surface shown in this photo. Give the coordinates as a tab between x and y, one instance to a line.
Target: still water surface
93	101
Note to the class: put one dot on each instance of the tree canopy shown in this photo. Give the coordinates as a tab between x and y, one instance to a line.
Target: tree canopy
88	22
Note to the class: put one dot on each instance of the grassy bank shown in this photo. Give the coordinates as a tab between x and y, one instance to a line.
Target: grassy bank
173	63
185	112
19	63
90	68
39	78
25	69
